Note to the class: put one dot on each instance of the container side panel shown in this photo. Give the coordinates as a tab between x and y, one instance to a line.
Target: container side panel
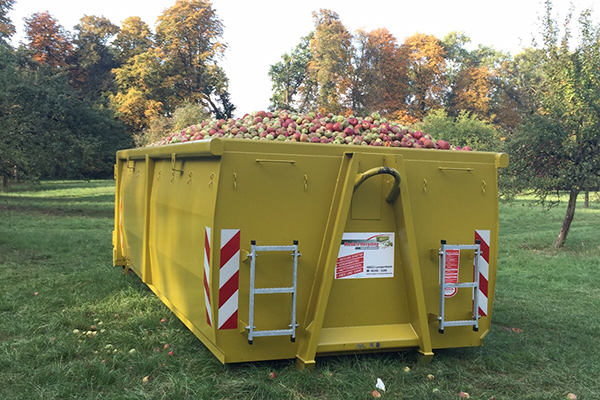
182	207
131	224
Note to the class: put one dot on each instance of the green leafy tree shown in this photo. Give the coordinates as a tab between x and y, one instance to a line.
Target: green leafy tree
7	29
188	34
95	58
557	148
134	38
466	129
188	114
13	151
48	130
331	67
290	77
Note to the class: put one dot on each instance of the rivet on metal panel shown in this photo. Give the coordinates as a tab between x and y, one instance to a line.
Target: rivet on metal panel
138	173
234	180
425	185
483	185
212	178
305	183
159	175
172	176
189	181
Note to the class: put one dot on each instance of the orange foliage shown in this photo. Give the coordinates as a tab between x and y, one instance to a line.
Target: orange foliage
386	76
48	41
473	90
426	71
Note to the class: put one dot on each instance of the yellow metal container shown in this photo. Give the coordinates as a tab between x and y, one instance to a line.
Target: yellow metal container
374	226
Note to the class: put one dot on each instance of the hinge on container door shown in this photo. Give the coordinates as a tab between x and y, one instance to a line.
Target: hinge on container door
174	162
130	163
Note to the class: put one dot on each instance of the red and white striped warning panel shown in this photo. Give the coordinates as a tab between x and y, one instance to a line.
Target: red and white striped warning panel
229	278
484	271
207	275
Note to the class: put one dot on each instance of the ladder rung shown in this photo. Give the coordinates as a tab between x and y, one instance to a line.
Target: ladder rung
461	285
273	332
467	322
461	247
274	290
275	248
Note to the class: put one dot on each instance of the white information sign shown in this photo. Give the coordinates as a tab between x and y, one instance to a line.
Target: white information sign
366	255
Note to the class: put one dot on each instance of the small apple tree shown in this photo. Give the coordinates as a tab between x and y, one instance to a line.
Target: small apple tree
557	147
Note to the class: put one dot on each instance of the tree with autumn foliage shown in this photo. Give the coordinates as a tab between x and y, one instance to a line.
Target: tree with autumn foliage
139	90
380	81
139	79
557	148
189	36
473	90
426	75
481	82
134	38
48	41
330	67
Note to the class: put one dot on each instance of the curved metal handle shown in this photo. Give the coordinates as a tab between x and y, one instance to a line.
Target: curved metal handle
394	192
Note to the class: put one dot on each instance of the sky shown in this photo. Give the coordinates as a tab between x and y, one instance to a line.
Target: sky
259	32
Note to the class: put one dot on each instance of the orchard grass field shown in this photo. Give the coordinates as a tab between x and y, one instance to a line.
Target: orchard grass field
57	280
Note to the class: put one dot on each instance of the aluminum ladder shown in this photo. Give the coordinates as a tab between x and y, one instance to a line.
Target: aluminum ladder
474	322
293	290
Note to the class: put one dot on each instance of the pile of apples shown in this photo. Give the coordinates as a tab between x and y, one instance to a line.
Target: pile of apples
287	126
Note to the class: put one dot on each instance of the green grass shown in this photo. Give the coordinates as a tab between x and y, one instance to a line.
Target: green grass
56	276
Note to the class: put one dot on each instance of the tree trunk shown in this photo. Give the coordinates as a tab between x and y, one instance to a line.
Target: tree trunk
586	204
4	183
562	236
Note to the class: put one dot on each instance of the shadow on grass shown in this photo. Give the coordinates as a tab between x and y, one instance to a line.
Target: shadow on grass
76	206
70	211
55	185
